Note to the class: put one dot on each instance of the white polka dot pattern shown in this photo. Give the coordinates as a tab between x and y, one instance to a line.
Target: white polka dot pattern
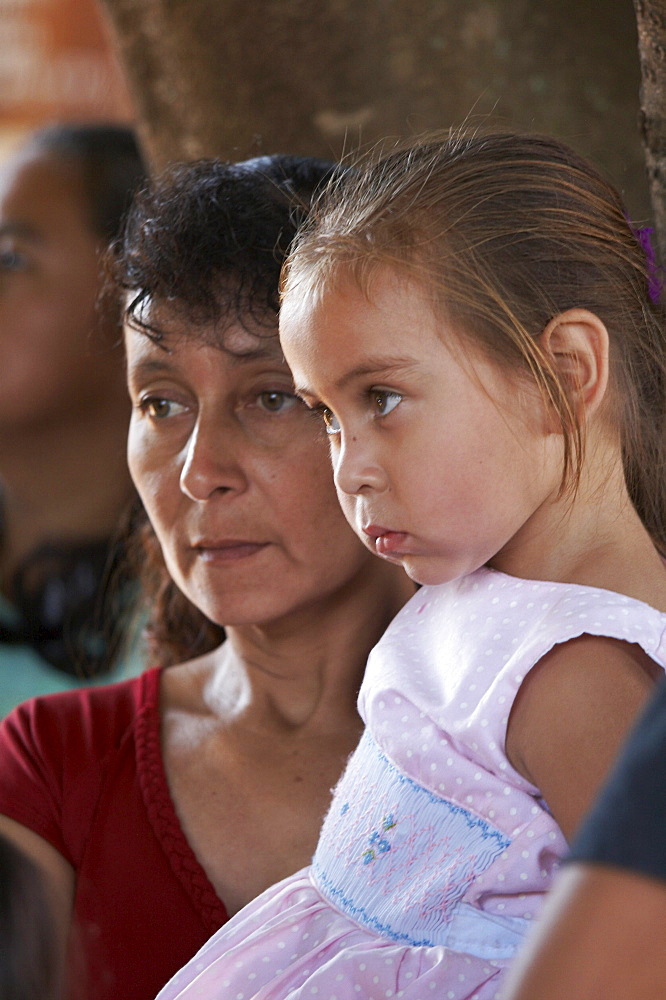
436	698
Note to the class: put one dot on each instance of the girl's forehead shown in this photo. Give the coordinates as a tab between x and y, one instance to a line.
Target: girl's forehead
392	328
347	330
381	287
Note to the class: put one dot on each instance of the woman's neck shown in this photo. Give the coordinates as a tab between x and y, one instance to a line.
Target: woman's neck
304	671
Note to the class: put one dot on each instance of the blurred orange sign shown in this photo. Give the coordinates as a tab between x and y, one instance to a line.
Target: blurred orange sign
57	61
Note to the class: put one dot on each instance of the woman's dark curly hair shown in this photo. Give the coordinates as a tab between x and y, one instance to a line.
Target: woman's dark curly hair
208	238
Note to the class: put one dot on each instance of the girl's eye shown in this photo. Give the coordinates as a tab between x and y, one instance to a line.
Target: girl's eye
275	401
385	401
158	408
330	420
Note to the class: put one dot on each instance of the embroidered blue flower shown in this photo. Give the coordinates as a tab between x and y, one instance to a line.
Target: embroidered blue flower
380	844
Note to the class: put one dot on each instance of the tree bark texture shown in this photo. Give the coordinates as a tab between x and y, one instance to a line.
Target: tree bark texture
236	78
651	20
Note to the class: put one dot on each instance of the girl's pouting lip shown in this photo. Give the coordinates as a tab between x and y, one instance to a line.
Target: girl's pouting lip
386	542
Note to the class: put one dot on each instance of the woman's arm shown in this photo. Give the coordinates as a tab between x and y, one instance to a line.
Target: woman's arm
602	937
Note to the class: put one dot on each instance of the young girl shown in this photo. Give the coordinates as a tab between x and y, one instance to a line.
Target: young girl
472	320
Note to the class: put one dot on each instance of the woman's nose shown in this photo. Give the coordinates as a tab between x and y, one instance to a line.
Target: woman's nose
356	469
209	463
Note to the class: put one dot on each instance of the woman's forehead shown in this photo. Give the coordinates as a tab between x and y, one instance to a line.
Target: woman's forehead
168	325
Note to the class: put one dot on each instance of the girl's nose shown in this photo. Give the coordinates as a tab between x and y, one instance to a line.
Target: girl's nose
356	469
209	464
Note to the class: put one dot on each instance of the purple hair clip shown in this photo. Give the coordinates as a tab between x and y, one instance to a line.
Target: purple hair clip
655	273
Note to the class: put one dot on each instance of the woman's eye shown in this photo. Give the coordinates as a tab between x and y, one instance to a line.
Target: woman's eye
12	260
158	408
384	400
275	401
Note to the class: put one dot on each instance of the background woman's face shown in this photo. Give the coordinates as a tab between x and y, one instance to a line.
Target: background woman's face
234	474
49	280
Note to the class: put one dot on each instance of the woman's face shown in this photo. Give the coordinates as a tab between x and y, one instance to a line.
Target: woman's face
234	474
52	365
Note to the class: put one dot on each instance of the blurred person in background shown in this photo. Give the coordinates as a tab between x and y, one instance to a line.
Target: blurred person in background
64	484
29	966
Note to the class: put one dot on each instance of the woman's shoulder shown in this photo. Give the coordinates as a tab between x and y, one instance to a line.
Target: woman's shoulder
86	718
56	751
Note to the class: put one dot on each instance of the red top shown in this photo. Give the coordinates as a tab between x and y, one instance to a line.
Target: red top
84	770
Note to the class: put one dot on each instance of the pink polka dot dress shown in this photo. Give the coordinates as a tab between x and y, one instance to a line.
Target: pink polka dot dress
436	854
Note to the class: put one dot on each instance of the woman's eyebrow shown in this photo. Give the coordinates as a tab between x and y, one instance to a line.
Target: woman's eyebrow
150	366
163	365
263	353
22	229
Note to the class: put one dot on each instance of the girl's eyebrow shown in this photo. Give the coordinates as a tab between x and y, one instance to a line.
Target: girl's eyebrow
384	367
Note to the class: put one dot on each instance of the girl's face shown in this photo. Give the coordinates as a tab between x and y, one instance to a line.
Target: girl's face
441	462
234	474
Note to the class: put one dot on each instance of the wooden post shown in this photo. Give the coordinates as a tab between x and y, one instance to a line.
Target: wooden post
651	20
237	78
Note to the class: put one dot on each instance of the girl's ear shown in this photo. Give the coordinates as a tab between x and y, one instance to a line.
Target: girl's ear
577	342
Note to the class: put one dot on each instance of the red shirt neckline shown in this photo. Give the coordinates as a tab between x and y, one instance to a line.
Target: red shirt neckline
161	810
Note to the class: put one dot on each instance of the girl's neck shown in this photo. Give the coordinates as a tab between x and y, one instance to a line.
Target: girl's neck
304	671
67	482
594	538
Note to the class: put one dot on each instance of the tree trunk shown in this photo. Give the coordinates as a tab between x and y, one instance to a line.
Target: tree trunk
651	19
236	78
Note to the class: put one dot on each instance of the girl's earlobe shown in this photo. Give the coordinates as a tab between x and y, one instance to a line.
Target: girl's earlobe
576	341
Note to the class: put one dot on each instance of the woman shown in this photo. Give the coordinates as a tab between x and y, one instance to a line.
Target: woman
63	411
163	805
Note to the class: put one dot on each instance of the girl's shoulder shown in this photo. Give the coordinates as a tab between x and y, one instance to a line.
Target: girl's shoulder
501	611
462	647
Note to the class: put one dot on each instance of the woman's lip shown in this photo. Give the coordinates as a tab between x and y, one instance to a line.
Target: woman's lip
227	550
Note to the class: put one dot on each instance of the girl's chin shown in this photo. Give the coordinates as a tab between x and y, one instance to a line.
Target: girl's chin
430	572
